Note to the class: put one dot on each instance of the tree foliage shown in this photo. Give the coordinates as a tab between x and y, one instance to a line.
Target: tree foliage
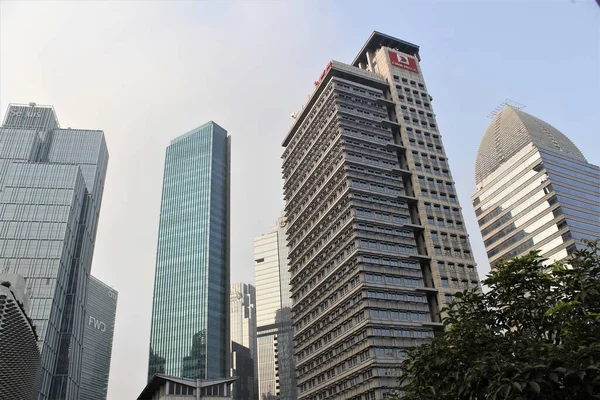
534	335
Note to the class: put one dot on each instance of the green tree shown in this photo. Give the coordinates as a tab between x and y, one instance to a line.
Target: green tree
534	335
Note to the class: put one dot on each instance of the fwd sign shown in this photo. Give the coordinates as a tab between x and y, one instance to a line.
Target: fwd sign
101	326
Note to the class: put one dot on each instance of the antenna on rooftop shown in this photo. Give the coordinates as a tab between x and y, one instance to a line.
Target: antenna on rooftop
506	102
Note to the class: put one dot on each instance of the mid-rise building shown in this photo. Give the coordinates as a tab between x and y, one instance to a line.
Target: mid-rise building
51	184
19	354
276	366
190	311
100	309
535	189
242	369
376	236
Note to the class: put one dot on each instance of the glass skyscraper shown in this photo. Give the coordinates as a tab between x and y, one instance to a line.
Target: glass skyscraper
100	310
276	366
190	311
51	184
535	189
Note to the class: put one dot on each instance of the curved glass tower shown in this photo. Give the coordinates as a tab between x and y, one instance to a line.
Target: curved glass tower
535	189
190	312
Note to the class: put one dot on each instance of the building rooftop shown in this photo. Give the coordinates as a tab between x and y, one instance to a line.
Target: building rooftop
377	40
509	132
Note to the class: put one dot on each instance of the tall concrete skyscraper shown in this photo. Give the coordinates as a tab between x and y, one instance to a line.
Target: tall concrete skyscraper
190	311
375	231
535	189
51	184
100	311
276	367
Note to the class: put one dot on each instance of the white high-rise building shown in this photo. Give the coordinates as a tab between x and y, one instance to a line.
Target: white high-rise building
535	189
276	374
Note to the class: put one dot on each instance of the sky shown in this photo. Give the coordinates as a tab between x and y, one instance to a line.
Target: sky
146	72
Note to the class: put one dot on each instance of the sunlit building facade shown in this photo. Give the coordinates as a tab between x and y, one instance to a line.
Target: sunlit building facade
276	366
190	312
535	189
51	185
377	241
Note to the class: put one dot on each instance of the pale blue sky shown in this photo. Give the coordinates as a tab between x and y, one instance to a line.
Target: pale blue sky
146	72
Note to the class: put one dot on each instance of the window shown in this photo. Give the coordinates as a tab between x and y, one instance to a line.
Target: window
445	282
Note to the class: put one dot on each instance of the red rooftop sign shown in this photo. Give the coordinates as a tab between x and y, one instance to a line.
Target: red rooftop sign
404	61
327	68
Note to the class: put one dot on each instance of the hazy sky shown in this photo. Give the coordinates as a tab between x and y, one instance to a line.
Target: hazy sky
146	72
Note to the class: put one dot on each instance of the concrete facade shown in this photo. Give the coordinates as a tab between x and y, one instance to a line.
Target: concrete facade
377	241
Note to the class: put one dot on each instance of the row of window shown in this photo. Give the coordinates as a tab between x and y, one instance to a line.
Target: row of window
444	223
463	284
418	134
391	263
360	212
433	183
429	160
393	280
380	200
433	194
386	230
412	83
393	315
457	253
412	96
443	267
444	237
362	111
376	187
365	135
372	160
388	247
396	296
415	333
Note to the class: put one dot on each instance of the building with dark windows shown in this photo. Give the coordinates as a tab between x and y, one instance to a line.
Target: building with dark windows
190	312
51	184
535	189
376	236
100	309
242	368
276	366
19	354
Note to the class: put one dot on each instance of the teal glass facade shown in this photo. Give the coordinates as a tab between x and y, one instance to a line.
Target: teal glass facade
190	314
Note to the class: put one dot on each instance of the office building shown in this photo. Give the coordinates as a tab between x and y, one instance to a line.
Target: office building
275	337
100	309
243	322
51	184
190	312
375	231
19	354
535	189
243	316
242	368
165	387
